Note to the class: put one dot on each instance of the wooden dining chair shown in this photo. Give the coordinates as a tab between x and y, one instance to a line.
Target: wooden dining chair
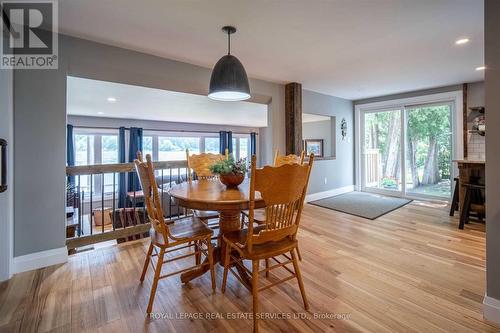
199	164
279	160
170	236
283	190
288	159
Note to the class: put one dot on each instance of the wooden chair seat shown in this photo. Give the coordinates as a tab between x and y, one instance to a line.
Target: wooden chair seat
190	228
261	251
171	236
283	190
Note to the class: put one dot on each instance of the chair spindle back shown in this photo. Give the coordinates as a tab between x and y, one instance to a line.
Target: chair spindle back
280	160
283	190
200	164
149	187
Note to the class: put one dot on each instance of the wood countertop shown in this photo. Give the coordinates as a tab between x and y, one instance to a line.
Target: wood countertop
467	161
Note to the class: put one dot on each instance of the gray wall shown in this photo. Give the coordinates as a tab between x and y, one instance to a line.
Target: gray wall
339	172
492	87
321	130
6	198
40	131
40	159
475	94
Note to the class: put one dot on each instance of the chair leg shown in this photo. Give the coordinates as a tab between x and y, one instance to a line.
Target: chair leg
267	268
155	280
255	293
298	253
464	214
146	262
197	256
227	256
211	262
299	279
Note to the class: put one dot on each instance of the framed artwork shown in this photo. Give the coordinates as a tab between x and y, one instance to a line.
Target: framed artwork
314	146
3	165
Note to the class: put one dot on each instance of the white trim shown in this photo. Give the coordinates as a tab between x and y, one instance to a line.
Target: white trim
455	97
329	193
491	310
40	259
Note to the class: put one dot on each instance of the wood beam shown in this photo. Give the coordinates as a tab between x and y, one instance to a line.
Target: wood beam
465	113
293	118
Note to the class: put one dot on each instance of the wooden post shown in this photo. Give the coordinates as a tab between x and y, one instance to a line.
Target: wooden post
465	114
293	118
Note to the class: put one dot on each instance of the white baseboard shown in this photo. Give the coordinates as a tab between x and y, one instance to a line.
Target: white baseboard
329	193
491	309
40	259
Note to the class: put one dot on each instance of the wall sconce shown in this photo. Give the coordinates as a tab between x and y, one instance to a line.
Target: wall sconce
343	128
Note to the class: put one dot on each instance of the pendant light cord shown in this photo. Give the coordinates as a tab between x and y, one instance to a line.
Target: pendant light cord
228	42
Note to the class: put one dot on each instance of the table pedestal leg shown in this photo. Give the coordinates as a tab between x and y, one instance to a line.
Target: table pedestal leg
229	221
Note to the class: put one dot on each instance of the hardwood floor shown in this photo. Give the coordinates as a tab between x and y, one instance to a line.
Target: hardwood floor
409	271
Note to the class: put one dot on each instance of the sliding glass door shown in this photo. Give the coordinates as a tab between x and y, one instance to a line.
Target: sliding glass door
429	150
382	150
407	151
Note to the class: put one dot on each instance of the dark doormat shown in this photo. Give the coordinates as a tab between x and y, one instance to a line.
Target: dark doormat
362	204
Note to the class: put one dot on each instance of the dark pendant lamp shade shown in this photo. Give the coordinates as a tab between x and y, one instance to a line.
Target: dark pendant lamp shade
229	81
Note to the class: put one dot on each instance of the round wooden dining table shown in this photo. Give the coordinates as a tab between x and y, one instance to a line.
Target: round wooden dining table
212	195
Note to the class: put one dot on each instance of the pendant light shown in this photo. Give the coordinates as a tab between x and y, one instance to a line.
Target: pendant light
229	81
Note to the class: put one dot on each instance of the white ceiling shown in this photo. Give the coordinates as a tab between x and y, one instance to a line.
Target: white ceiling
347	48
90	98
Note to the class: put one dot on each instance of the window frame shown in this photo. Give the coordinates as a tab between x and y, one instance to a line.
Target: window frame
95	152
201	137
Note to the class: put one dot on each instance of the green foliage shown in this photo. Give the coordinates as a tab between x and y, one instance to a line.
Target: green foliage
424	123
229	166
429	122
389	183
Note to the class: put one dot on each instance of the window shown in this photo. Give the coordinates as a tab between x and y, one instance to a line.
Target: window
84	149
212	145
101	147
96	148
109	149
147	146
235	147
174	148
244	147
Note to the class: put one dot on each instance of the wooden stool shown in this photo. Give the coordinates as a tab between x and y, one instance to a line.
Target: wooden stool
473	201
454	201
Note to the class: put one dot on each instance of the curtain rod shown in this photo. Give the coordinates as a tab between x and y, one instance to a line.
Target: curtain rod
158	130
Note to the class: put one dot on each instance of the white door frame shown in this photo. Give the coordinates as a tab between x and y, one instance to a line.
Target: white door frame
7	212
454	97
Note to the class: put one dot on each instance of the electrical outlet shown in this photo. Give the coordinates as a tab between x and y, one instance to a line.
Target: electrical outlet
326	180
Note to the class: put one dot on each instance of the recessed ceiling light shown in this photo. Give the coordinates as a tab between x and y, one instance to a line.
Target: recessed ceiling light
480	68
111	99
462	41
100	112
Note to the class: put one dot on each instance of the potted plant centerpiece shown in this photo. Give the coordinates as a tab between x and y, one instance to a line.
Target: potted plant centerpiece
231	173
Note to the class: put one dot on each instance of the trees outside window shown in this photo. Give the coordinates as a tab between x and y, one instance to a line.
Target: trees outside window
428	147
